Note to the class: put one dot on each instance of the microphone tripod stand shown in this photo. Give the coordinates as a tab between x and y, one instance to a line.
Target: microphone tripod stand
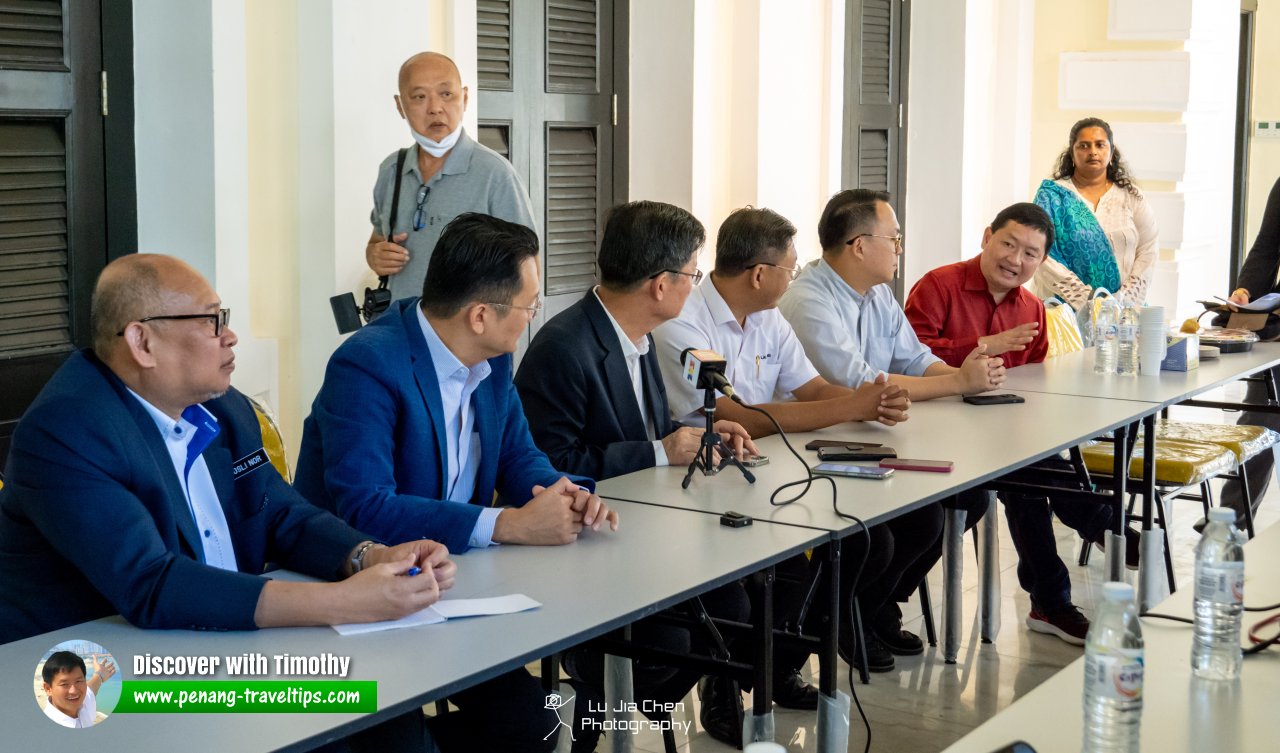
705	460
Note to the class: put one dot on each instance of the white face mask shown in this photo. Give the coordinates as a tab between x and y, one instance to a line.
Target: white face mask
437	148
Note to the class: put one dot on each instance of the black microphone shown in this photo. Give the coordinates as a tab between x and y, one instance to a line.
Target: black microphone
704	369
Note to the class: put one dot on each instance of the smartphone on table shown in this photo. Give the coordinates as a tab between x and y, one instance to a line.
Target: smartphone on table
853	471
856	453
1003	399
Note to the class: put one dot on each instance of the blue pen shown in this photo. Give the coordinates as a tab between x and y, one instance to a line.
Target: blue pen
414	571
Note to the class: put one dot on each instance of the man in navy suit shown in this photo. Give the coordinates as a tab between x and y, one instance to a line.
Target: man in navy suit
417	426
594	397
143	435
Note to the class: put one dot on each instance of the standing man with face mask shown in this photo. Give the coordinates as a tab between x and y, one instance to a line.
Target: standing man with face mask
444	174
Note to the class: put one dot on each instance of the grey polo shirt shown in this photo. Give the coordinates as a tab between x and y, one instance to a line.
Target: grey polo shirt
850	337
474	179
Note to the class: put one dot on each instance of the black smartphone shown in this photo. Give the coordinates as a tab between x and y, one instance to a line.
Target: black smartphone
1007	397
856	453
817	444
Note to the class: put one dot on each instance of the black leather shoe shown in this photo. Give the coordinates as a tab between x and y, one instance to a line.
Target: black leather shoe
722	711
888	628
792	692
878	657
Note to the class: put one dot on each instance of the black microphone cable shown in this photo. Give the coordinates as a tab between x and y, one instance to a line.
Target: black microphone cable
806	484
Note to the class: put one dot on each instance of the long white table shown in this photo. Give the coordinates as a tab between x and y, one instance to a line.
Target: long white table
1181	713
1072	374
984	443
659	557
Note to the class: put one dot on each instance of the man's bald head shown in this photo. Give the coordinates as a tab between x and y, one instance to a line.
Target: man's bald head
133	287
440	66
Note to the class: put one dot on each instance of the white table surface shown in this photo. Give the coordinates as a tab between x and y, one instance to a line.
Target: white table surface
657	558
1072	374
984	442
1181	713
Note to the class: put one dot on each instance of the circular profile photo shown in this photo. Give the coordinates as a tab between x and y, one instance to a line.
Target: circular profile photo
76	684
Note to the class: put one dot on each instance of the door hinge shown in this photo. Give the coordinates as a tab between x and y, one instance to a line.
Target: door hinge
615	109
104	94
899	116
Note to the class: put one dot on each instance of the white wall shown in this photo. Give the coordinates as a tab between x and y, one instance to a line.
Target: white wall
191	157
731	105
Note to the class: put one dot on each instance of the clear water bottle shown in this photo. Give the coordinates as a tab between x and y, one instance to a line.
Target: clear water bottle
1105	334
1113	674
1219	601
1127	342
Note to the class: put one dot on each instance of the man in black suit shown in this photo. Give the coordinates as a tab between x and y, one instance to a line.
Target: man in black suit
595	401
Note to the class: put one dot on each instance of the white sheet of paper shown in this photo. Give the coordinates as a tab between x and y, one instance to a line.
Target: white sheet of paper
451	608
428	616
444	610
439	612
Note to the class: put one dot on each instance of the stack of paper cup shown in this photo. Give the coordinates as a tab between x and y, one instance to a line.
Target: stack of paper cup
1151	339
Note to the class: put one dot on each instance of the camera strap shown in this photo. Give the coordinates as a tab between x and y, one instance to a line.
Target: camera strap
395	205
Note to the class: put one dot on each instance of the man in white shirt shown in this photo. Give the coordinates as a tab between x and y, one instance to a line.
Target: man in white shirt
72	699
734	313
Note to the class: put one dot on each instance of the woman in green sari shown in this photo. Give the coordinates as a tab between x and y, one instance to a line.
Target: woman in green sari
1106	232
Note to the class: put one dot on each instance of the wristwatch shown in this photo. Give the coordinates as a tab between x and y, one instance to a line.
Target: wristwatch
357	560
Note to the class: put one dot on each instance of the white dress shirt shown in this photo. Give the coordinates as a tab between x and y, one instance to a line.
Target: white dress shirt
82	720
764	360
462	444
193	476
633	351
850	337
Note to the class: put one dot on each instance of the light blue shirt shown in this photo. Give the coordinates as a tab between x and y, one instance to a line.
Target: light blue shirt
849	337
462	444
197	484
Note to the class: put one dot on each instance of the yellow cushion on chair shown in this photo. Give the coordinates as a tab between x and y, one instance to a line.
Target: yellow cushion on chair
1179	462
1245	441
272	440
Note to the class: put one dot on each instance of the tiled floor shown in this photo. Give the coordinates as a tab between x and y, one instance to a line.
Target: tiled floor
925	704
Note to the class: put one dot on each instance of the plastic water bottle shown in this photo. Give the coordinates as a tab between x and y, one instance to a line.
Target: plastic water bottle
1113	674
1127	342
1105	334
1215	649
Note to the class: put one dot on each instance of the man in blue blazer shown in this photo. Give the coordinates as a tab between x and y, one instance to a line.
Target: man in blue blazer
137	483
417	426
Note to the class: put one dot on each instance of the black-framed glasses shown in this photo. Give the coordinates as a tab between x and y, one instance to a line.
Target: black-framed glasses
534	309
697	275
897	240
220	320
794	272
419	220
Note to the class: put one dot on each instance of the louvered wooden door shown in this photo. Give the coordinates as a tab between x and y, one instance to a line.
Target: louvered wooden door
546	70
875	108
52	216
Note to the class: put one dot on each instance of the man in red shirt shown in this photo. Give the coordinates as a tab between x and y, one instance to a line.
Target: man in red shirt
955	308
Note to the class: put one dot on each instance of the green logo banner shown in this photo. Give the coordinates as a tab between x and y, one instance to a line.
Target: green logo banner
248	697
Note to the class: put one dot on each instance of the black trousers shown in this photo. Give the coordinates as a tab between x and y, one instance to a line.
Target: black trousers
506	715
1258	468
659	683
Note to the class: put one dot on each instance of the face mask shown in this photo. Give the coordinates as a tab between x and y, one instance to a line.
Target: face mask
437	148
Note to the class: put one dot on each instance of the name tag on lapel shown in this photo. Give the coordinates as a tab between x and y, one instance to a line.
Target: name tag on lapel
249	463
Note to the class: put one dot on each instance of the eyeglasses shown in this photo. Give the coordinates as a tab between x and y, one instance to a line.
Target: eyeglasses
419	221
897	240
534	309
220	320
794	272
697	276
